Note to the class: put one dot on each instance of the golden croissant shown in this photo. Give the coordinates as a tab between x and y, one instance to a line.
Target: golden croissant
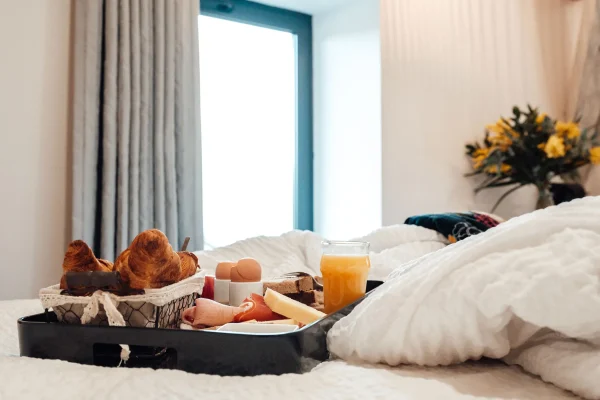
80	258
189	264
149	262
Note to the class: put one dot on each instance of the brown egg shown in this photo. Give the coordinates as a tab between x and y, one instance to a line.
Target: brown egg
223	270
246	270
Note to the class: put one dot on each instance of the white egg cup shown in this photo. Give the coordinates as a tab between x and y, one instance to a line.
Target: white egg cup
238	291
222	291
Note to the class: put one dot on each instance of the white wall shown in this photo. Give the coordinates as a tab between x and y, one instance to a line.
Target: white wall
451	67
347	120
34	121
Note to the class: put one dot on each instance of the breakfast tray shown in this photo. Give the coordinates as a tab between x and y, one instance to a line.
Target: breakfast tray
208	352
155	308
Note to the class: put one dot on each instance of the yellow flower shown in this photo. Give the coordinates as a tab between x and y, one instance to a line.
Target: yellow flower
501	140
595	155
568	129
479	157
555	147
501	127
499	134
540	118
493	169
574	132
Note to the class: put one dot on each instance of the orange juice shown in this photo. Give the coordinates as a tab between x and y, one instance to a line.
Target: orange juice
344	279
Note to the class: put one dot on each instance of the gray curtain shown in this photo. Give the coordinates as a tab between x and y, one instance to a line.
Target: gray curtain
136	127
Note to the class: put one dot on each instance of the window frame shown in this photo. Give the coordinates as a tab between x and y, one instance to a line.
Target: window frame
300	25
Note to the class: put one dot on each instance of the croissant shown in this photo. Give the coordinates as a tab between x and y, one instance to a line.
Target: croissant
80	258
189	264
149	262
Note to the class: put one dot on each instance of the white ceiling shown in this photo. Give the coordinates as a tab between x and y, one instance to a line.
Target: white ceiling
311	7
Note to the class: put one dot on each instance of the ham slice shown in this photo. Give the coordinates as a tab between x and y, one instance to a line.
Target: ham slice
210	313
255	308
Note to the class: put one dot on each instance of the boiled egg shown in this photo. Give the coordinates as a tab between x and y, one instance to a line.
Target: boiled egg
246	270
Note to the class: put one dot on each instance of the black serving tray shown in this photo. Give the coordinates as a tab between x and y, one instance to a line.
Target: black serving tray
207	352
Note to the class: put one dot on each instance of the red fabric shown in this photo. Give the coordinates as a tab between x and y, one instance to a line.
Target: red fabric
258	310
208	291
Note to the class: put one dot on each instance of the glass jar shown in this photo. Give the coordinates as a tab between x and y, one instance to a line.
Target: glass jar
345	269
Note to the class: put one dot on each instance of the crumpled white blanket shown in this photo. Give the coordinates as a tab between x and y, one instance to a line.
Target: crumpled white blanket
527	292
28	378
334	380
301	250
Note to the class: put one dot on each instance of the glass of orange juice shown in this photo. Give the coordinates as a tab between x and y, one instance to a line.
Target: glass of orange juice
345	267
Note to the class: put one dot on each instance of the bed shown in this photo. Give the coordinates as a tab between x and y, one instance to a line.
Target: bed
45	379
522	298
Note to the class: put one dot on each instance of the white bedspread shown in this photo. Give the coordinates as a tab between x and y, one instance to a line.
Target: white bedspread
301	250
527	291
26	378
392	246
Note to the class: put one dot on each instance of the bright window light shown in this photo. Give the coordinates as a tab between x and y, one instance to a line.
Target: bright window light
248	115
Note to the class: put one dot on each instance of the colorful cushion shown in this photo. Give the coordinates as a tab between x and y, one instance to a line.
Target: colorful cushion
455	226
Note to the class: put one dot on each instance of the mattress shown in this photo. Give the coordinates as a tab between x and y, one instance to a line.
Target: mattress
41	379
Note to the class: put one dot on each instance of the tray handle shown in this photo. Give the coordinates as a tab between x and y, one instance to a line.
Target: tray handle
110	355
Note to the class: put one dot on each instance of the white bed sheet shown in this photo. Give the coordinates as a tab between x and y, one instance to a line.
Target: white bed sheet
24	378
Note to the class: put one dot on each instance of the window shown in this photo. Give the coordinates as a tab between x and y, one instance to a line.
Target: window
256	114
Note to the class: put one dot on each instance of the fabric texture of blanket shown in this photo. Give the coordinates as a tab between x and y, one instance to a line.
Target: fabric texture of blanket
28	378
455	226
527	292
300	251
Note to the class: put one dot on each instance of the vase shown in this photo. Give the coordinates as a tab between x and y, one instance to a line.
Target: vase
565	192
544	197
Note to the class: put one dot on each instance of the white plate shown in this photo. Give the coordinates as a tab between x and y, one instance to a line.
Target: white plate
257	328
187	327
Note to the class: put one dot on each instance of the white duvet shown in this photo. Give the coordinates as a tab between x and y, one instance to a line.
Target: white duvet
301	250
527	292
26	378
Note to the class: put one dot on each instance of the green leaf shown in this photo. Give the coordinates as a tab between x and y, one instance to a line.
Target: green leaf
505	195
516	112
489	180
500	184
506	121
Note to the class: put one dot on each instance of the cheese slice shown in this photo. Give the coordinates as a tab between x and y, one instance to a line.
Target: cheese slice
291	308
280	322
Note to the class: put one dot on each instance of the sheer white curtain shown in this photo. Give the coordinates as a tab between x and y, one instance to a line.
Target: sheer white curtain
136	128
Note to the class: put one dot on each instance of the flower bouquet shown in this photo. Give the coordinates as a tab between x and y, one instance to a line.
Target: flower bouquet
530	148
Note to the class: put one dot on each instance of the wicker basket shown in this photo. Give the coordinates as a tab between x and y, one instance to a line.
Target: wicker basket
156	308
